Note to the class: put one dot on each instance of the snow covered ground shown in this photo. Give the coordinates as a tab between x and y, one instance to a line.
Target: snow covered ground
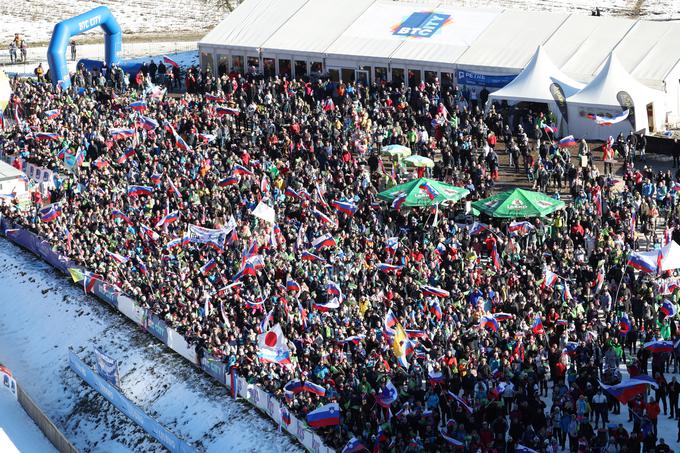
647	9
183	52
42	315
35	19
18	433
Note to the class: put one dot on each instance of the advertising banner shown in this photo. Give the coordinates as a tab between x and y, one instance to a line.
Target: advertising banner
8	381
157	327
108	391
486	80
215	368
107	367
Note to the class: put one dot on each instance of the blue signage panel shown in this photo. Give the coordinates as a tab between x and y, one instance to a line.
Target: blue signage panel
108	391
422	24
215	368
157	327
486	80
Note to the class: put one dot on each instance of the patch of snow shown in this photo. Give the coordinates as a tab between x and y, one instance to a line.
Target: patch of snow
17	430
42	314
35	19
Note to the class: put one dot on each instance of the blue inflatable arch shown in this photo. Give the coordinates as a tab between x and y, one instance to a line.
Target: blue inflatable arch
64	31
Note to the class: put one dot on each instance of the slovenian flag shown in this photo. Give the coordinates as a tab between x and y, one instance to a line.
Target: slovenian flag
354	446
323	218
327	240
46	136
120	259
292	285
388	267
116	214
51	114
502	316
221	111
49	213
550	129
292	193
521	228
208	267
328	415
213	98
392	244
630	388
311	387
387	396
436	310
345	207
168	219
435	377
148	123
136	191
569	140
398	201
308	256
434	291
173	244
658	346
139	106
148	232
624	325
429	190
241	170
170	61
129	152
156	178
390	320
549	279
489	322
121	133
537	326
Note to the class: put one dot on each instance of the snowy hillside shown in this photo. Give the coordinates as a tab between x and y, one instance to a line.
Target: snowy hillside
35	19
648	9
42	314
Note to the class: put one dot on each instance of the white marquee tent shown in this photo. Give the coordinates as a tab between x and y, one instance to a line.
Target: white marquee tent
398	41
605	97
537	83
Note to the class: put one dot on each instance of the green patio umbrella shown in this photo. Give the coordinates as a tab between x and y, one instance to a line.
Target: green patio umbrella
518	203
399	151
419	161
418	191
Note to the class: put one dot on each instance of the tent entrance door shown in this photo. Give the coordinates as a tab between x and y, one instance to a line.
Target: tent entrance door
361	76
650	117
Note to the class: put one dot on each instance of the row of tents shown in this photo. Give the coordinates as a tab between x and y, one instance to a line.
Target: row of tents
613	101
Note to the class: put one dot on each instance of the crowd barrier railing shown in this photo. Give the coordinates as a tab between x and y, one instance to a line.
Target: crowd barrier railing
237	385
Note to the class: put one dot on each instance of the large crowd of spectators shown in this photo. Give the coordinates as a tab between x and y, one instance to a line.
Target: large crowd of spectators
526	383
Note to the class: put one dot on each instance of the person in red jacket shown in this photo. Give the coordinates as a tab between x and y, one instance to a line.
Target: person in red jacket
652	409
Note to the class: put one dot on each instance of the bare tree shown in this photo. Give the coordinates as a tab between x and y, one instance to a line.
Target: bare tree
225	5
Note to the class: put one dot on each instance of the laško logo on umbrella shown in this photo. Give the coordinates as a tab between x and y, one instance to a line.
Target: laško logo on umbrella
422	24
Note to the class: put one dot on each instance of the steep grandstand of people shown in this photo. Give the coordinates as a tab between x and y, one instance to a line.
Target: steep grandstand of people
244	212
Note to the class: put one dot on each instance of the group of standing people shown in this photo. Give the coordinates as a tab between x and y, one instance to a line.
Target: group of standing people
530	378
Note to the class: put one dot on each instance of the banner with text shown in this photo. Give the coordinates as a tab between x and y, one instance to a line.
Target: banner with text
486	80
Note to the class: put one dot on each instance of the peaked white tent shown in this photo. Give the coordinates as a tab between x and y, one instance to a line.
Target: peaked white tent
609	95
540	81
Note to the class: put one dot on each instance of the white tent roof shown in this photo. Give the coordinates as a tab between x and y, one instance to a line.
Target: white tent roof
249	25
612	78
581	45
509	42
650	51
463	27
533	83
371	35
305	33
8	172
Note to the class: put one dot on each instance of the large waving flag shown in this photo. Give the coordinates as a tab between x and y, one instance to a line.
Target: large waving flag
392	244
116	214
464	404
658	346
668	308
387	396
170	61
326	240
241	170
388	267
326	306
567	141
434	291
51	114
345	207
208	267
46	136
328	415
354	446
292	285
120	259
458	445
148	123
49	213
630	388
520	228
399	201
400	345
168	219
549	279
139	106
308	256
272	347
136	191
537	326
323	218
489	322
429	190
624	324
121	133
